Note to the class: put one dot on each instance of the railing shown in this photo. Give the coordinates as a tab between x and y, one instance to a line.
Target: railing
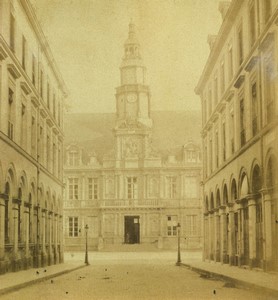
132	203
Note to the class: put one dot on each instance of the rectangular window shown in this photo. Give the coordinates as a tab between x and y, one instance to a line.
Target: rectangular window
11	114
172	222
232	121
240	46
24	48
33	136
12	32
93	188
270	90
252	25
254	109
33	70
48	95
224	140
172	187
132	187
73	227
231	63
41	83
54	106
73	158
23	126
216	149
242	122
48	152
54	158
59	162
73	188
41	145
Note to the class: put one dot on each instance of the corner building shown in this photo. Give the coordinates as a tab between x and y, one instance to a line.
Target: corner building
133	195
238	90
32	94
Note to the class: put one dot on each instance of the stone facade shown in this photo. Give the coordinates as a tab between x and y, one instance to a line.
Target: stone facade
31	143
238	90
132	195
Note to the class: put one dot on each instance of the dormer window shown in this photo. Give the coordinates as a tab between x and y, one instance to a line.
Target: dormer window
73	158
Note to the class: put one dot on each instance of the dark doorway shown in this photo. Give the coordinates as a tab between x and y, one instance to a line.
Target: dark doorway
132	230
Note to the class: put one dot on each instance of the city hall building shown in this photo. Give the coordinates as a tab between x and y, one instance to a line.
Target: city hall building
239	90
132	195
32	93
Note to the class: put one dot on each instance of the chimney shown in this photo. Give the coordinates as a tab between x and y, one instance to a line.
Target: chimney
223	7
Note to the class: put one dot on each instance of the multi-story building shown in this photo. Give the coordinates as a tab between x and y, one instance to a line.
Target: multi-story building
238	90
132	195
31	142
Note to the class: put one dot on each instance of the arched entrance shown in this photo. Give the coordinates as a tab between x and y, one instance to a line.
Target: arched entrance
256	187
272	188
244	191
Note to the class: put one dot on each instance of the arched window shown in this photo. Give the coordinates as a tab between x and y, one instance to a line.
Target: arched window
218	198
225	195
233	191
256	180
211	201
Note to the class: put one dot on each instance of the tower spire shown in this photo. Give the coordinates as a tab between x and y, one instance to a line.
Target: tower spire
132	46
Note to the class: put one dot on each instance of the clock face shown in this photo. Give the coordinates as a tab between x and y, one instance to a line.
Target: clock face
131	97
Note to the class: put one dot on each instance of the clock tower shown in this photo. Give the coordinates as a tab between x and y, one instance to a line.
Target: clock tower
134	124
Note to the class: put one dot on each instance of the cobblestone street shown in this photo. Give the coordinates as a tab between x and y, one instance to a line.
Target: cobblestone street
132	276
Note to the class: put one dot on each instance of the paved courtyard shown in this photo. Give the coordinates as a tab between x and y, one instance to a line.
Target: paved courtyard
129	275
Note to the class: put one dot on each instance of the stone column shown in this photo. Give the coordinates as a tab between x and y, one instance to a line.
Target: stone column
55	238
231	236
16	203
27	233
61	239
44	224
206	237
267	231
223	234
252	231
240	233
50	230
2	226
216	236
210	236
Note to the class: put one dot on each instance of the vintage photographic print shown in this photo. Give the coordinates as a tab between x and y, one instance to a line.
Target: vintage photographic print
138	149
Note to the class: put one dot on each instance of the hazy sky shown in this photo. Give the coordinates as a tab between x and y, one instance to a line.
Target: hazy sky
87	37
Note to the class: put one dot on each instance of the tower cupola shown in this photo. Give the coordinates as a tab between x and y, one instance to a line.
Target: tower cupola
132	46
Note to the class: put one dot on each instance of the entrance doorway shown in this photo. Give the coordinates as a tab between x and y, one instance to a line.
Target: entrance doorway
132	230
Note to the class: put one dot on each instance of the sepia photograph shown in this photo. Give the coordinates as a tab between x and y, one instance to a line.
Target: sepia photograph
138	149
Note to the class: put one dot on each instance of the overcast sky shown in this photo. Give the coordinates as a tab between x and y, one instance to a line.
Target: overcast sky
87	37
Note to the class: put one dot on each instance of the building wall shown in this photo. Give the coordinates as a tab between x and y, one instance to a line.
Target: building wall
153	203
31	143
240	136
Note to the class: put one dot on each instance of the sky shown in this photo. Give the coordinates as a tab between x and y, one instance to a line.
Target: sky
87	38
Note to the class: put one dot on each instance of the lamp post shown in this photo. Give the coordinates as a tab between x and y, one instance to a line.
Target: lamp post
86	251
179	245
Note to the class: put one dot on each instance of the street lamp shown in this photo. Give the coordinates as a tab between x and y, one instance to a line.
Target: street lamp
179	245
86	251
